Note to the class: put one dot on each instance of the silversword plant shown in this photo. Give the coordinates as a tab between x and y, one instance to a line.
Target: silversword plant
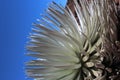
82	48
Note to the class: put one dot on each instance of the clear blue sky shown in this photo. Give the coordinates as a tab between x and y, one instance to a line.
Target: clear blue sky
16	17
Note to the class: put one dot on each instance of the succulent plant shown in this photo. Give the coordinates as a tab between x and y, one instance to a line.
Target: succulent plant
70	48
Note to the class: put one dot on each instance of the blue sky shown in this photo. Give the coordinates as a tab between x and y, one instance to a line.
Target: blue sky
16	17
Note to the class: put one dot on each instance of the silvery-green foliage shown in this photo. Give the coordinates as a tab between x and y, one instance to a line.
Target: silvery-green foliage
66	48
